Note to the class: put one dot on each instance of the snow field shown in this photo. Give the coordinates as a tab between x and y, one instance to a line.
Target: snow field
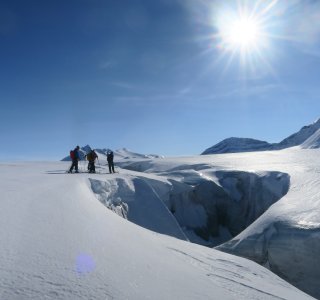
59	242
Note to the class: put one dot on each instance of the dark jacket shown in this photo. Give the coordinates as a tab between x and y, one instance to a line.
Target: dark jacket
110	156
76	154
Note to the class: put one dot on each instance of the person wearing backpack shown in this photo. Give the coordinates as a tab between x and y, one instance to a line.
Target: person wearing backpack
110	161
91	157
75	157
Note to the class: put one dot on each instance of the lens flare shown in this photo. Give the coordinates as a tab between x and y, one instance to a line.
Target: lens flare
84	264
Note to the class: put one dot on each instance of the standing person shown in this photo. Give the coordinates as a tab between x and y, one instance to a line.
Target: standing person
75	157
91	157
110	161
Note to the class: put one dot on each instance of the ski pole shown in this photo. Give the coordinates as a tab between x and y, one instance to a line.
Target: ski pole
84	166
99	165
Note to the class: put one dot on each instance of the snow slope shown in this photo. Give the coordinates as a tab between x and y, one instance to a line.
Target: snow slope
58	241
301	136
313	142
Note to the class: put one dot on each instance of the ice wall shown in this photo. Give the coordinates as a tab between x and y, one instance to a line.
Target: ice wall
219	209
137	201
209	208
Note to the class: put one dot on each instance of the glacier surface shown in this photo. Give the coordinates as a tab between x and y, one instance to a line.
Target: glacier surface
59	241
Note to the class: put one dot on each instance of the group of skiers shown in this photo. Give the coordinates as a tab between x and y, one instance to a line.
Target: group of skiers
91	156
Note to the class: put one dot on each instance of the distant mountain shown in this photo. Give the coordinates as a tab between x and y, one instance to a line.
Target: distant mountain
118	154
126	154
233	145
307	137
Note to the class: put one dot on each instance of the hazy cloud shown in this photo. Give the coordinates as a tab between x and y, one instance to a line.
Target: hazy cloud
305	26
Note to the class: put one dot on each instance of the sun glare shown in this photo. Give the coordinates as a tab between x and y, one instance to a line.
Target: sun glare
240	33
242	30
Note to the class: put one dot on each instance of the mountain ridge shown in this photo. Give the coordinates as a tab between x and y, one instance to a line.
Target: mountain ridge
308	133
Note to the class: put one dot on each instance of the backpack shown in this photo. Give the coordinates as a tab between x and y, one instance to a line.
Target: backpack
72	156
89	156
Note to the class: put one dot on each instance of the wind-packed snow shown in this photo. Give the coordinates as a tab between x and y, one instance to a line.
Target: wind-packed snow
60	241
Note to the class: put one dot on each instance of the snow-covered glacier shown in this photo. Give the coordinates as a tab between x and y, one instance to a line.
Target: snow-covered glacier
59	241
285	239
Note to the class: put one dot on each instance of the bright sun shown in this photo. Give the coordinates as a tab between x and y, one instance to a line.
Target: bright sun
244	29
240	33
243	32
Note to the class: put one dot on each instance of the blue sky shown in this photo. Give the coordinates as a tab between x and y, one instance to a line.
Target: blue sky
151	75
